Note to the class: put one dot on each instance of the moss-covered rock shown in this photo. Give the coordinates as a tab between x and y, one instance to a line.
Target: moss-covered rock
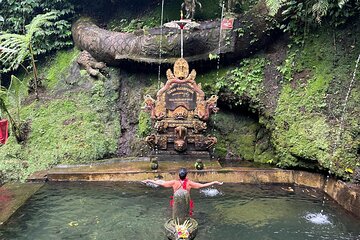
238	138
315	125
145	127
72	123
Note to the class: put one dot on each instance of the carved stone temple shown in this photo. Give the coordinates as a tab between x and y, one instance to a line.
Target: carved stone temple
180	114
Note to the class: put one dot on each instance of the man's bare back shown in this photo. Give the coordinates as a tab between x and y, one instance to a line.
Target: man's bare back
178	184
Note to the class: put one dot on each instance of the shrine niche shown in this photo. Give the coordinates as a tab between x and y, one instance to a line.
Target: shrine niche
180	113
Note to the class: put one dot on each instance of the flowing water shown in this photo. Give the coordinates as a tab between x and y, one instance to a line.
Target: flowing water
137	212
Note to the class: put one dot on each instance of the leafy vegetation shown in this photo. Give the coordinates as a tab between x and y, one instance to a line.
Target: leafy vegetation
20	46
307	122
300	15
56	35
245	81
13	97
144	126
71	127
310	127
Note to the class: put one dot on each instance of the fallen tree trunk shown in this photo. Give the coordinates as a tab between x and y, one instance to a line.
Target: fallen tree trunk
251	32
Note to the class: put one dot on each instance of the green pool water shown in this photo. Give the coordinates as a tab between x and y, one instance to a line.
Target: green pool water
136	212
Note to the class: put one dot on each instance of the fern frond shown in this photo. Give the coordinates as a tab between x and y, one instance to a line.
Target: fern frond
274	6
320	9
19	44
39	21
341	3
6	50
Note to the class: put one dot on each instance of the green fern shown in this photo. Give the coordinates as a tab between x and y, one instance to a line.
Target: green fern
320	9
17	48
274	6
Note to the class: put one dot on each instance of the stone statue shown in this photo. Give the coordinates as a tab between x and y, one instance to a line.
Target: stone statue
189	6
91	65
180	112
180	142
230	5
114	48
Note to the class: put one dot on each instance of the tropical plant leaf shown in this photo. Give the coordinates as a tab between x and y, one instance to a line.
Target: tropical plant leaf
3	101
320	9
39	21
16	91
20	44
274	6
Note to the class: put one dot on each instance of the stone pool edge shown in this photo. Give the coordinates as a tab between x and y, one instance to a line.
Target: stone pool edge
13	196
346	195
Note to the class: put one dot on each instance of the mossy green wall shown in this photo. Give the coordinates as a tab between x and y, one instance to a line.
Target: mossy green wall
69	124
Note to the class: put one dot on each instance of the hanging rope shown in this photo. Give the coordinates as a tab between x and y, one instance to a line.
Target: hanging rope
220	34
160	45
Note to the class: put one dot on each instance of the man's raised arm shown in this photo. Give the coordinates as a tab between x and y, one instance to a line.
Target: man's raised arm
162	183
202	185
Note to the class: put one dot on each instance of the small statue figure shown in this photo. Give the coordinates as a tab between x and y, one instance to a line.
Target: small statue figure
161	126
210	142
151	141
149	105
199	126
206	108
180	143
189	6
230	5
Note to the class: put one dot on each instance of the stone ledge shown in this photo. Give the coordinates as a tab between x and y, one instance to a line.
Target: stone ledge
348	198
346	195
13	196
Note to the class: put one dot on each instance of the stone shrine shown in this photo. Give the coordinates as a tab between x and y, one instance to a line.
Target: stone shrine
179	115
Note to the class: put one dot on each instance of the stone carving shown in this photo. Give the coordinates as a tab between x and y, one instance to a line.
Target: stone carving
180	112
150	105
190	7
180	142
199	126
90	64
143	46
152	141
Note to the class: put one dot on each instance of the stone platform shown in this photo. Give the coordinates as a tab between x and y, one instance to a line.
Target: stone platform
13	196
180	157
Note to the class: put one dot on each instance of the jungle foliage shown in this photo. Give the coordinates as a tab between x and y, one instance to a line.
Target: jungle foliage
76	123
15	15
299	16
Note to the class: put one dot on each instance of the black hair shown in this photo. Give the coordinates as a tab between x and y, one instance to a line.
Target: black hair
182	173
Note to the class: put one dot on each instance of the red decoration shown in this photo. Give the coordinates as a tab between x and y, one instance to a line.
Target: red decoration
227	23
4	125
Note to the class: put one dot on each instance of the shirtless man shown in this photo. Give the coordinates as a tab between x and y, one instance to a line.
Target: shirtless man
183	182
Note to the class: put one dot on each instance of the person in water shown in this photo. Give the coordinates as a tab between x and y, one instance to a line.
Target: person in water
182	182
